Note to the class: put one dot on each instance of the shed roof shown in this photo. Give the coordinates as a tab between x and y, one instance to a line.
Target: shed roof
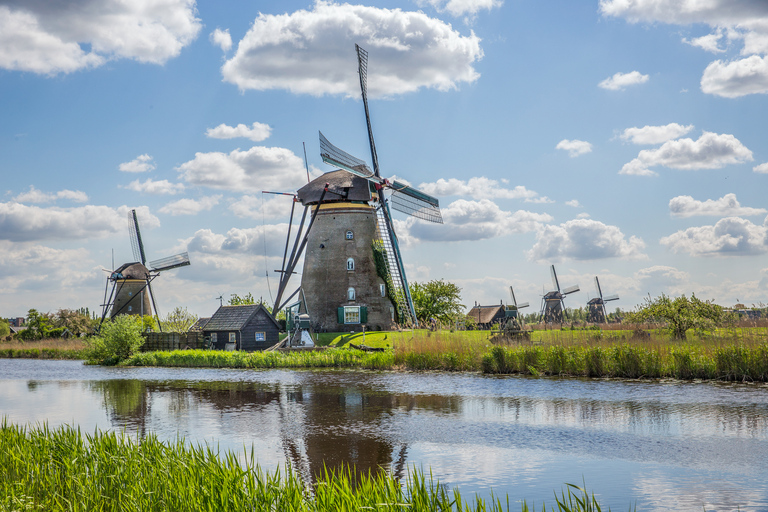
485	314
233	318
200	324
342	186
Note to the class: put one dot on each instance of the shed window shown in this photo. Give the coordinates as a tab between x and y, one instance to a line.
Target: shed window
261	336
350	235
351	314
350	294
232	337
350	263
383	289
214	336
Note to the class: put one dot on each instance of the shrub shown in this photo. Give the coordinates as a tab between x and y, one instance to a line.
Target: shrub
120	339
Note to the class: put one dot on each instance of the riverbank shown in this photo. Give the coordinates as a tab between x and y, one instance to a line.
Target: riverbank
62	469
44	349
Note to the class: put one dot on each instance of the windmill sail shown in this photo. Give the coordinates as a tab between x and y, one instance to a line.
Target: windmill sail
135	236
416	203
362	69
400	292
179	260
340	158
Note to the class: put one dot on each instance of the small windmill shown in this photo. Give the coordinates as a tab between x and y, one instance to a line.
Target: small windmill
513	318
354	196
596	311
552	304
131	292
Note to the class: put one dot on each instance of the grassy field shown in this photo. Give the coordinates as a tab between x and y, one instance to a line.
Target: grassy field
63	469
58	348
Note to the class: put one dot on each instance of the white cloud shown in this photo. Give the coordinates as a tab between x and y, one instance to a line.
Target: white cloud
257	132
479	188
155	187
726	206
710	151
142	163
583	215
463	7
655	134
762	168
574	203
222	39
313	52
584	239
259	207
259	168
574	147
736	78
729	236
470	220
188	206
49	38
709	42
620	81
37	196
21	223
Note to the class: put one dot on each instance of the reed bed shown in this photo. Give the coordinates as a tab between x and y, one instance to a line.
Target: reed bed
63	469
55	348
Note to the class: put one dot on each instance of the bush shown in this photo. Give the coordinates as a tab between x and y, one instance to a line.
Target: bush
120	339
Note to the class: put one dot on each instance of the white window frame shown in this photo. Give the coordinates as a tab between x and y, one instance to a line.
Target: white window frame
350	235
351	294
350	263
233	337
383	289
260	336
351	314
214	336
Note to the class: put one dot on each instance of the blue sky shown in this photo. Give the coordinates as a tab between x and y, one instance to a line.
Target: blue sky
624	139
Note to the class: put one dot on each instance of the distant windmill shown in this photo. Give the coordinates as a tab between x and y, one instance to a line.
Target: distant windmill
131	292
353	270
596	311
512	312
552	304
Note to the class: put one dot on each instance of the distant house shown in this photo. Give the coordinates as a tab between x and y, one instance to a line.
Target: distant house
248	327
486	316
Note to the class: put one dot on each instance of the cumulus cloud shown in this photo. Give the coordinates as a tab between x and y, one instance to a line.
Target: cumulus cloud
621	81
155	187
142	163
257	132
655	134
726	206
222	39
21	223
188	206
313	52
470	220
710	151
480	188
261	207
463	7
62	37
573	202
574	147
259	168
34	195
762	168
729	236
744	20
584	239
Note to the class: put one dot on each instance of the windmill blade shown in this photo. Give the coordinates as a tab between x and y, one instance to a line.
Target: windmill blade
179	260
135	234
597	285
611	297
523	305
571	289
416	203
362	70
512	294
340	158
554	278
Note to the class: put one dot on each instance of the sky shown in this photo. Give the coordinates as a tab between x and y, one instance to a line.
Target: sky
623	139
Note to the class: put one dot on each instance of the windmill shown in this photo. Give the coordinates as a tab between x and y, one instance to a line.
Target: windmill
131	292
552	304
353	268
514	322
596	311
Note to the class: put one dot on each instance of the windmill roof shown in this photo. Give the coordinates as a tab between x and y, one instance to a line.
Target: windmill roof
485	314
233	318
134	270
342	186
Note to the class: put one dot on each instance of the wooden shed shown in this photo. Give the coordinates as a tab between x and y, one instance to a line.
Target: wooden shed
248	327
486	316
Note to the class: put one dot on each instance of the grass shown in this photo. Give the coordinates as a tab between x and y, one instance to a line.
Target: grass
55	348
63	469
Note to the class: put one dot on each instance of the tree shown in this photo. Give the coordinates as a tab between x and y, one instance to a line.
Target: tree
436	299
39	326
236	300
5	327
77	321
178	320
119	339
680	314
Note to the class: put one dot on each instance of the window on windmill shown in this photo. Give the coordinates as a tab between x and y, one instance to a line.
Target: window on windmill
350	263
351	314
350	294
383	289
392	313
350	235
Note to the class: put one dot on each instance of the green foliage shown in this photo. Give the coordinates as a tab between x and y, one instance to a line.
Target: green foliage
178	320
38	326
77	321
436	299
680	314
382	270
119	339
236	300
5	327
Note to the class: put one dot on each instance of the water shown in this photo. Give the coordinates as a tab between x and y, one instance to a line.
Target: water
661	446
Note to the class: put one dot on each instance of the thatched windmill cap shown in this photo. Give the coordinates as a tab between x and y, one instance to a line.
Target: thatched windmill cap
342	186
130	271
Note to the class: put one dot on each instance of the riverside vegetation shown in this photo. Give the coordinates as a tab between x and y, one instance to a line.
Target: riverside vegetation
58	469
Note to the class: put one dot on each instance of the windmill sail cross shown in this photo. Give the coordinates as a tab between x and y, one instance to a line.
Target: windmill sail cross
178	260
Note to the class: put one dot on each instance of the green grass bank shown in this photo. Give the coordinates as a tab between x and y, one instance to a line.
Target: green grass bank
62	469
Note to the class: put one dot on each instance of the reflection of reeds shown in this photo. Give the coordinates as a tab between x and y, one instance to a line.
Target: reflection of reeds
62	469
